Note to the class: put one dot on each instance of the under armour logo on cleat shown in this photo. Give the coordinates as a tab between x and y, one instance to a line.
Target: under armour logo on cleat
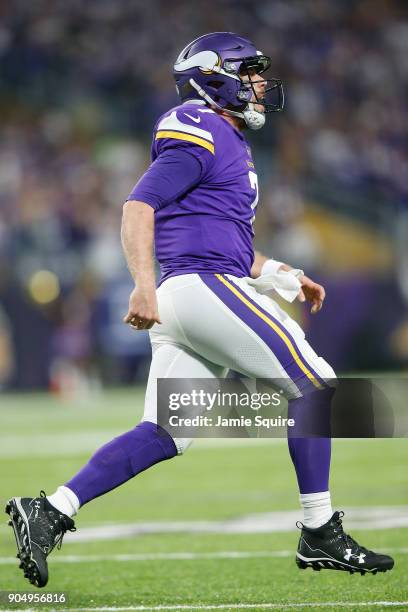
350	555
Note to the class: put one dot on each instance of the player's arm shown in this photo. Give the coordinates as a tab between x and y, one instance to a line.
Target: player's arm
137	240
177	168
310	291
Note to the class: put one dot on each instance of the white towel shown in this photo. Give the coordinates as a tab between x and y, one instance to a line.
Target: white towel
286	284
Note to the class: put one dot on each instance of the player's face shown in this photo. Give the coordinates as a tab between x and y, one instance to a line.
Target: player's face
259	85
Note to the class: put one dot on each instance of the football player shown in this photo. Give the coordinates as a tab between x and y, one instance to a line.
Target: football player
197	204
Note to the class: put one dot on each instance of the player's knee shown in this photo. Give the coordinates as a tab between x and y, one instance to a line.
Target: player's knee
182	444
311	413
326	372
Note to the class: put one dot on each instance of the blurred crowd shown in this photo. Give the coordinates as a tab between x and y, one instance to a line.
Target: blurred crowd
81	85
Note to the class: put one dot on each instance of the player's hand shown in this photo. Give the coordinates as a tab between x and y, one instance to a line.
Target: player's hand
312	292
143	312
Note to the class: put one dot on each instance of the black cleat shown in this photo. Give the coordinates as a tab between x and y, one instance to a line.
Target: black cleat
38	528
328	547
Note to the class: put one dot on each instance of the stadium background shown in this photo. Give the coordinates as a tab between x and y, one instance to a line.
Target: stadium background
81	84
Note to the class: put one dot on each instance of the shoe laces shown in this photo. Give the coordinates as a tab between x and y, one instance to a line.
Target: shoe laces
347	539
340	533
56	525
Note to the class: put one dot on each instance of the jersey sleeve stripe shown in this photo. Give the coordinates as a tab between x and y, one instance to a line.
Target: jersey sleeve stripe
187	137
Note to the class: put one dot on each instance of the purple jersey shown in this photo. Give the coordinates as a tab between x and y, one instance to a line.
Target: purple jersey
206	226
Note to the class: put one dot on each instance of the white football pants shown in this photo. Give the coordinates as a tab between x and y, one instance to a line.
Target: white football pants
213	323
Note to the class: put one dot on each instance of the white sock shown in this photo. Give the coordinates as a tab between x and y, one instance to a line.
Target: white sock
317	509
65	501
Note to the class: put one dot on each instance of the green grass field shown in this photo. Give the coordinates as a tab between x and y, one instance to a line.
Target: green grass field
44	441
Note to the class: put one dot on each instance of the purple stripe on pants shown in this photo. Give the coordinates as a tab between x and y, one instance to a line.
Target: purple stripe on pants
264	331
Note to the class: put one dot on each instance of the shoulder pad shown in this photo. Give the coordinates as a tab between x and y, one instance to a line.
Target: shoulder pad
189	123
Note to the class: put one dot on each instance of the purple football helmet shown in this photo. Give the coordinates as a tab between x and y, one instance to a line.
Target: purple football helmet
216	67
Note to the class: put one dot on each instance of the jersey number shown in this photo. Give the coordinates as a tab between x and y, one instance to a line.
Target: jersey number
253	181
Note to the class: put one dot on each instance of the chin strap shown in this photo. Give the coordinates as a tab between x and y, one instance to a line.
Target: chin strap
253	119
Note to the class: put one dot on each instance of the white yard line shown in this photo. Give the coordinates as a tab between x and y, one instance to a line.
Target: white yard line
81	442
175	556
179	556
73	443
260	606
386	517
234	606
383	517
